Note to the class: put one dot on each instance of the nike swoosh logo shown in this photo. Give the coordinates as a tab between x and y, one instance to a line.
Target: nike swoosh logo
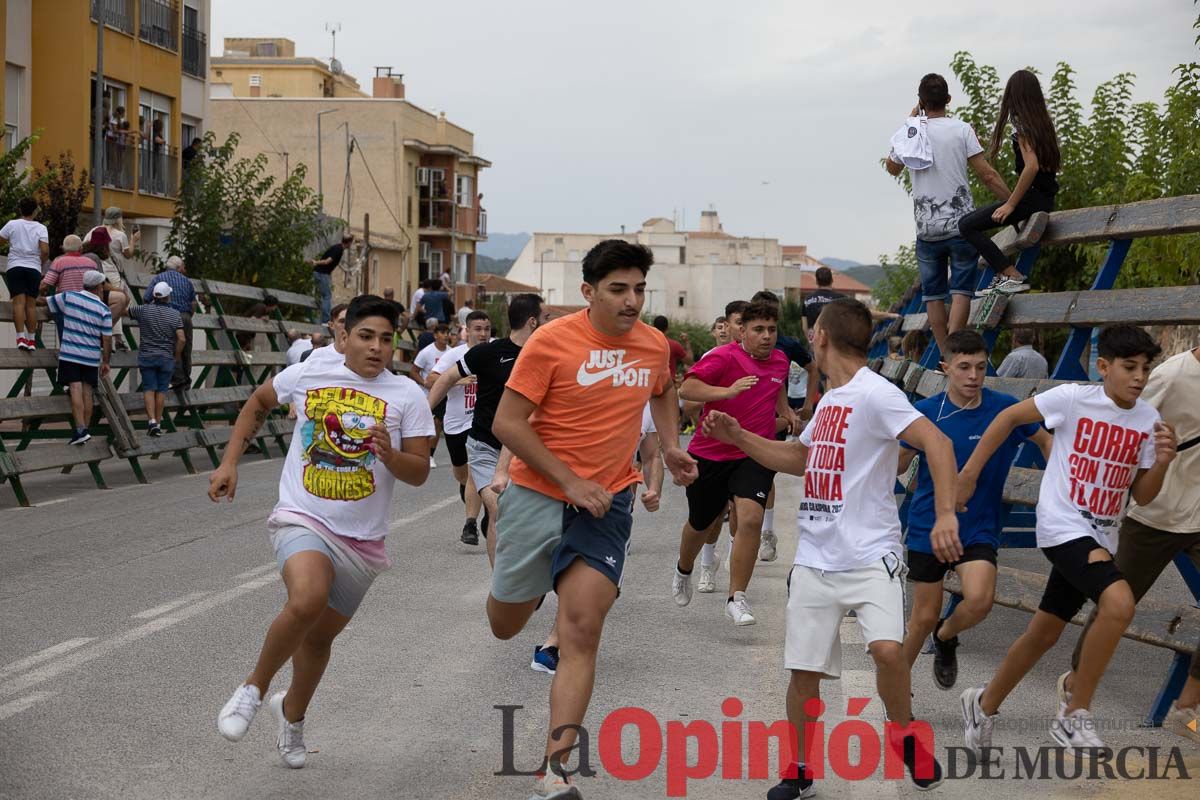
506	360
586	378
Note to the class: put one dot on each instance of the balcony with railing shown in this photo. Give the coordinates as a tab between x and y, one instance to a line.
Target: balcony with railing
481	228
117	14
118	165
437	216
160	24
158	170
195	49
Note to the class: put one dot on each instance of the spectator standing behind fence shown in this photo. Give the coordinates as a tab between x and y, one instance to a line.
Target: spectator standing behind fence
183	300
1023	361
28	246
437	302
66	275
119	247
323	268
85	346
160	346
298	345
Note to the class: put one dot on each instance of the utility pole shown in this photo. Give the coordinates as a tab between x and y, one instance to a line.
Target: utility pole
98	116
320	174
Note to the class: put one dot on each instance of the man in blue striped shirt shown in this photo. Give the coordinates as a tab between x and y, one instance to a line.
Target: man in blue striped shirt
183	300
84	347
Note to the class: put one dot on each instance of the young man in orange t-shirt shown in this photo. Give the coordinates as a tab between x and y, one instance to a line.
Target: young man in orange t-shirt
572	416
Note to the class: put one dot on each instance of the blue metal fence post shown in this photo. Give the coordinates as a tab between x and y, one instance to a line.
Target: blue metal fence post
1069	367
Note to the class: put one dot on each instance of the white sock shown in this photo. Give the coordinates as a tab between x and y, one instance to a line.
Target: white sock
708	555
769	520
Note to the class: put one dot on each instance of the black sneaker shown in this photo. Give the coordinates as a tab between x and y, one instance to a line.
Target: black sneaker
470	533
153	430
81	437
922	765
945	660
793	788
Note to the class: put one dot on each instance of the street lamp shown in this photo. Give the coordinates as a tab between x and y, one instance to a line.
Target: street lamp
320	177
542	272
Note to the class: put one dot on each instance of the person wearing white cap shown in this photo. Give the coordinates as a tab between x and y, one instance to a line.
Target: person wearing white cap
160	344
85	344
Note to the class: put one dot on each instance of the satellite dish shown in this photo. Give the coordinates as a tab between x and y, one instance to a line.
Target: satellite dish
335	66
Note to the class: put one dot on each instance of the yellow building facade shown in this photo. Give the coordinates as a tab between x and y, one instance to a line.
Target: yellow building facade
268	67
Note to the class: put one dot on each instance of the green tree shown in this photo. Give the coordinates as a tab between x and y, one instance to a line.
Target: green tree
16	181
235	222
899	275
61	195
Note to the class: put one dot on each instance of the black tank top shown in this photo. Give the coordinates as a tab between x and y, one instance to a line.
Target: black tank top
1044	182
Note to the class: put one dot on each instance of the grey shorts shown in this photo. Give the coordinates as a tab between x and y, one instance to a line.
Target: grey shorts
481	461
538	537
350	579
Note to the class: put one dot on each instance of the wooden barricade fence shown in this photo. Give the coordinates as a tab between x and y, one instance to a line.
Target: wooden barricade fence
1172	626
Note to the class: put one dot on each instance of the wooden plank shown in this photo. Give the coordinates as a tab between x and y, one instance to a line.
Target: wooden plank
123	433
986	312
134	402
167	443
932	382
1174	627
213	437
893	368
912	376
1022	486
58	454
250	324
6	312
915	322
1164	216
305	327
34	407
223	289
206	322
1172	305
263	358
293	298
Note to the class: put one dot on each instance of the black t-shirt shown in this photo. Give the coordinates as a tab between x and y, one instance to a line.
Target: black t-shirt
491	363
335	253
815	301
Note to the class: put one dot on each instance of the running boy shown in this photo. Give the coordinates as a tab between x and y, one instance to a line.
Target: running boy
849	554
359	429
571	414
962	412
1108	443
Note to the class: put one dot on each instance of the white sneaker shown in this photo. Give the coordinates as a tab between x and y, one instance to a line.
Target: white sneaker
553	786
1183	721
767	546
432	463
290	743
708	579
1060	686
738	610
237	714
681	588
977	726
1076	730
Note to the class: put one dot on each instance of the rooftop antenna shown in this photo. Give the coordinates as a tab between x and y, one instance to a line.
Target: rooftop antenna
332	29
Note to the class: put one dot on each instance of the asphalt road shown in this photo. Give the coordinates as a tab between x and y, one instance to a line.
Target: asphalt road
128	616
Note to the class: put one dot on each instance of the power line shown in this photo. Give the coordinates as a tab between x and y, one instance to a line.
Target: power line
274	148
379	192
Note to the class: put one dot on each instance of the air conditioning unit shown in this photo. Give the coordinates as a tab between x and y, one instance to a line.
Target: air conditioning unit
423	252
422	176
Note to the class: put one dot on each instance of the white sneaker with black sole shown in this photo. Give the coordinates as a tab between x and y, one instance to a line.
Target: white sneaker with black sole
290	742
681	587
237	714
737	609
767	547
1002	284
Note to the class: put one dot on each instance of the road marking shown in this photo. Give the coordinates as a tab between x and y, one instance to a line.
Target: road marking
43	655
103	648
251	573
438	506
170	606
22	703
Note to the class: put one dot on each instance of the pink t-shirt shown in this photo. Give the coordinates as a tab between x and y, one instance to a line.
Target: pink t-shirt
754	408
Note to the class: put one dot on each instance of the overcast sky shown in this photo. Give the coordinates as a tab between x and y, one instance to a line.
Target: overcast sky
776	112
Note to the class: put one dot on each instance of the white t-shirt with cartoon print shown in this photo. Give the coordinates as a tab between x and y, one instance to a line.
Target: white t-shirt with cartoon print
1098	449
329	475
848	516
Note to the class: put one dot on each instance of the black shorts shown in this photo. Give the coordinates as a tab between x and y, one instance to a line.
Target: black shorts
1073	580
925	568
456	443
439	411
719	481
69	372
22	280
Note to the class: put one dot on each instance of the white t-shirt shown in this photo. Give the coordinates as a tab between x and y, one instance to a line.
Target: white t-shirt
326	354
941	193
460	402
426	360
416	298
462	315
23	236
848	517
1172	389
297	349
1098	449
797	381
329	475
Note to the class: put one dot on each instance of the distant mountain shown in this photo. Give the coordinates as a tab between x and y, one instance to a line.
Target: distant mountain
495	266
870	274
503	245
842	264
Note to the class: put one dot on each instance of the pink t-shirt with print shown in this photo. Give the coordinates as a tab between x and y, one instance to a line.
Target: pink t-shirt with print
754	408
